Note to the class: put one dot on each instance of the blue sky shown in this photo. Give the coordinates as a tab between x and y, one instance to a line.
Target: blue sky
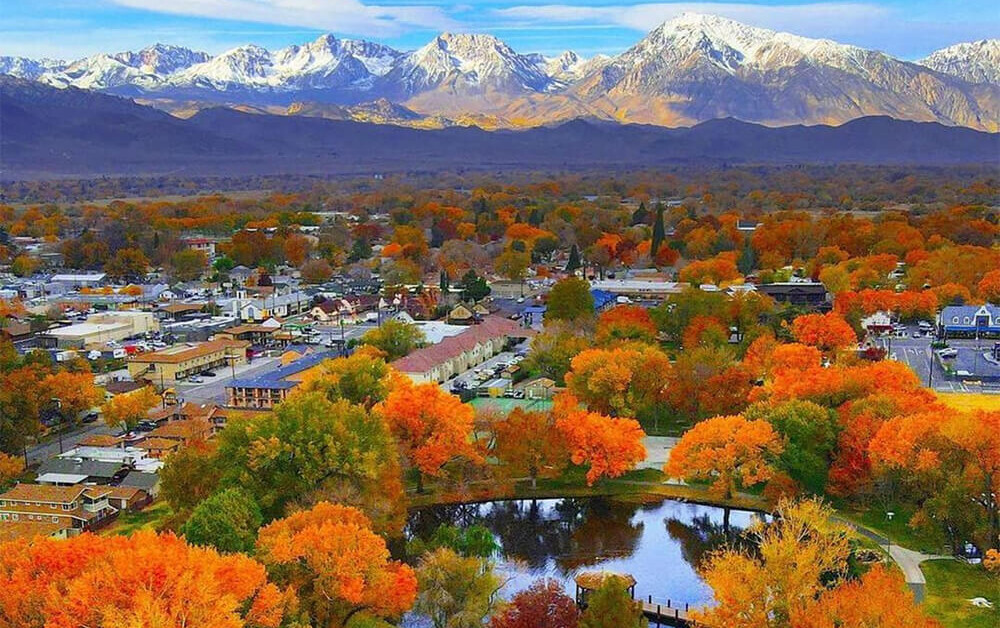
74	28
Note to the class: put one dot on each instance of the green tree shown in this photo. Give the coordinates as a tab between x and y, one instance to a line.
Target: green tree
127	265
24	266
674	315
455	591
363	378
641	215
611	606
474	287
747	263
190	476
309	447
395	338
223	264
659	232
188	264
570	300
554	348
227	521
810	432
574	259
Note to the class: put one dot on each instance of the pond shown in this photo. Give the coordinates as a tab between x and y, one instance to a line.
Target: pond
659	541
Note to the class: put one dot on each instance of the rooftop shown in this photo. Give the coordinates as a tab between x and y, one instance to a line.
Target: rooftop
189	351
423	360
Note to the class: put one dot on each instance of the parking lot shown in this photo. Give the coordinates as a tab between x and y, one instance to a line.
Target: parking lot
469	378
917	354
213	389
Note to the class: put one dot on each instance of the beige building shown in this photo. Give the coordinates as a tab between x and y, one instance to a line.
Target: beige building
166	367
457	354
102	328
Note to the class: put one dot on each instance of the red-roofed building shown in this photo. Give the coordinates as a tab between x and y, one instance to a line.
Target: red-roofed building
457	354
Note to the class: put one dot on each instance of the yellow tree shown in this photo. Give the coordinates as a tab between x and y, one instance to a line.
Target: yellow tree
127	409
797	554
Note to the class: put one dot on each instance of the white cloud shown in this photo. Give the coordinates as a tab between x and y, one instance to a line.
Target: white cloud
799	18
342	16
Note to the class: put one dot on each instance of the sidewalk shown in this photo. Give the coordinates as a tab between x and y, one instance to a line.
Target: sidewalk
907	559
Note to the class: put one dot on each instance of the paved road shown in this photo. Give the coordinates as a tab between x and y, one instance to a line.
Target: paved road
657	451
43	451
907	559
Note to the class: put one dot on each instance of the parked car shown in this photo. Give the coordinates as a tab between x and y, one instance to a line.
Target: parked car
195	380
209	373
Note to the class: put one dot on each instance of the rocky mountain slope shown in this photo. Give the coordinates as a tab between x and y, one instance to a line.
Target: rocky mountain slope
690	69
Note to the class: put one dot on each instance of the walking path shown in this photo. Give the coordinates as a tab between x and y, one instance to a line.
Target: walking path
907	559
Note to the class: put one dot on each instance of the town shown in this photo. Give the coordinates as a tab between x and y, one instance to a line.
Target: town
233	368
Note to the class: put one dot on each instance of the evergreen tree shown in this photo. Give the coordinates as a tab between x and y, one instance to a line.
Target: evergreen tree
445	282
474	287
641	215
659	232
574	259
747	262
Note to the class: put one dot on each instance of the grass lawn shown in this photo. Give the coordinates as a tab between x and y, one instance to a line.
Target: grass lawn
148	519
950	584
898	530
970	401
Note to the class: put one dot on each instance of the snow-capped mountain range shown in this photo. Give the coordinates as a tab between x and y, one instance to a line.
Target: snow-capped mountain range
692	68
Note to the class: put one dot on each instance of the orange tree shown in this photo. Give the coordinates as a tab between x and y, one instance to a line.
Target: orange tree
951	459
625	322
828	332
528	442
432	427
622	381
336	565
141	580
607	446
729	451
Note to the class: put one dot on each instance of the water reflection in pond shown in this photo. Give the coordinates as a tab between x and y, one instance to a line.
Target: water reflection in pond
658	542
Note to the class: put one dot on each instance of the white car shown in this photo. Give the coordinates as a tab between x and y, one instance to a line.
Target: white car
195	380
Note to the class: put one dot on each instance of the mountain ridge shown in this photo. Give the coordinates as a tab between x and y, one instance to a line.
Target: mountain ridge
50	132
692	68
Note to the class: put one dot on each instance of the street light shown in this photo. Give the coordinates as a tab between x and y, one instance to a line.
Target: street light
888	538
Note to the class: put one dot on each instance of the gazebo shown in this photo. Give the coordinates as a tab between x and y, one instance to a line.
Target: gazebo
588	581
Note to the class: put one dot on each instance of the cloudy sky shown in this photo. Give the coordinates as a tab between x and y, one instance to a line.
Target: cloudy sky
74	28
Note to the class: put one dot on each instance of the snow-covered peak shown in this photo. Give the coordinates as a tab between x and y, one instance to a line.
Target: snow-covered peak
162	59
327	52
31	69
731	45
976	61
474	59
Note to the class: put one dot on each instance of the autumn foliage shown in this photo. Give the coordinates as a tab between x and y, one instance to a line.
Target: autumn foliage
141	580
431	426
336	565
728	451
827	332
607	446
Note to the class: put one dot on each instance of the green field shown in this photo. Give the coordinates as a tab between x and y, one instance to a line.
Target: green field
950	586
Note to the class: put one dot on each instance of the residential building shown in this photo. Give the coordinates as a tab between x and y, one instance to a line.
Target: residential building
73	508
459	353
70	471
147	482
166	367
266	391
254	333
260	308
75	281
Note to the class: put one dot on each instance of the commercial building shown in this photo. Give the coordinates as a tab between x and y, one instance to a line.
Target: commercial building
970	320
102	328
457	354
808	293
166	367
